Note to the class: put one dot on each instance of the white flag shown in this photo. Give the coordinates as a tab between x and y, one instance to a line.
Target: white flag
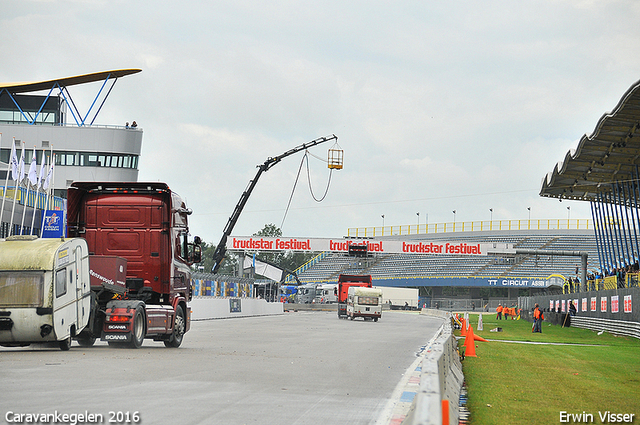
21	171
42	170
14	162
47	180
33	169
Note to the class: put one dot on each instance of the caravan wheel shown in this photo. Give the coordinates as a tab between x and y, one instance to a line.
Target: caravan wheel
65	344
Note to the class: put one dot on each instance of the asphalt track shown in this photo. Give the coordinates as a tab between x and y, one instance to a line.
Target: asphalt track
296	368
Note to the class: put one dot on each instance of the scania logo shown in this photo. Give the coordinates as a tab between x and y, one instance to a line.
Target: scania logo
121	327
115	337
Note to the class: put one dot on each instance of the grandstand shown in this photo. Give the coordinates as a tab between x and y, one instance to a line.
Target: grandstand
428	270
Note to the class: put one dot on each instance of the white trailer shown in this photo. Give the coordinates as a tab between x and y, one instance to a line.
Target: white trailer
399	298
45	292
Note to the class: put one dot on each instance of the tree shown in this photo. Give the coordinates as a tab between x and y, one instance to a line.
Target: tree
229	265
287	260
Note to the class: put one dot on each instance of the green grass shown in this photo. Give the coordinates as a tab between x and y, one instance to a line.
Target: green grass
513	383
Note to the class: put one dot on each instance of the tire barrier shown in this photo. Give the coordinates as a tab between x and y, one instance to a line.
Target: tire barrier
441	379
617	327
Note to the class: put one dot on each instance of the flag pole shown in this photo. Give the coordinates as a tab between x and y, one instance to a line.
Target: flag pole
39	182
29	183
6	182
13	158
15	195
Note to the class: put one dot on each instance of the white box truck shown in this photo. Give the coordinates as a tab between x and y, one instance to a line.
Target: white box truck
399	298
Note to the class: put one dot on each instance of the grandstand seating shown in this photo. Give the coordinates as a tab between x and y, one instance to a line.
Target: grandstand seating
385	266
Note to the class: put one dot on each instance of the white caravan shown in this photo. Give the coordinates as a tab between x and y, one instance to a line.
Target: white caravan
45	292
364	302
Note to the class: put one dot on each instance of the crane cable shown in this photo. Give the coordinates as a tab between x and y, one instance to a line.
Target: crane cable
306	157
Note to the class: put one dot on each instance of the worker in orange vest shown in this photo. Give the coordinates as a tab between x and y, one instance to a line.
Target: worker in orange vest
499	311
538	317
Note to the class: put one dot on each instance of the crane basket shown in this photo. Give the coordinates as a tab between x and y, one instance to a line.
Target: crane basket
336	155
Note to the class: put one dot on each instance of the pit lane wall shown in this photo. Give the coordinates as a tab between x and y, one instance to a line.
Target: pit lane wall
207	308
441	378
217	296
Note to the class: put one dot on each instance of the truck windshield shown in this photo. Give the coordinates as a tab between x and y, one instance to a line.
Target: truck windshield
21	289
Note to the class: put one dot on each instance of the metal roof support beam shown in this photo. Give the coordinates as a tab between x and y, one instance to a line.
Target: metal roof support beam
622	225
614	227
625	208
635	208
104	100
595	214
71	104
631	226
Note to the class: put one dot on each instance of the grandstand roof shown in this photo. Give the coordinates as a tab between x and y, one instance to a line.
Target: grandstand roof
66	81
611	153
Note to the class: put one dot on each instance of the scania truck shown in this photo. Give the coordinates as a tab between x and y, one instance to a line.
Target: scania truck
346	281
127	261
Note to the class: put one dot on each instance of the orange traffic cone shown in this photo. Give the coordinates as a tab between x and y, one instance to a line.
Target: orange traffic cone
463	328
445	412
470	345
479	338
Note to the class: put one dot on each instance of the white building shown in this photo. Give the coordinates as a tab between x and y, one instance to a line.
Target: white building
43	114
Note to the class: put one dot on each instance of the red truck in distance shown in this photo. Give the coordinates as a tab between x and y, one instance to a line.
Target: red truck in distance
345	281
139	260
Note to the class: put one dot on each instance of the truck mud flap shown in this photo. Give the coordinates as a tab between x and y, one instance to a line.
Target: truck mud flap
118	320
120	337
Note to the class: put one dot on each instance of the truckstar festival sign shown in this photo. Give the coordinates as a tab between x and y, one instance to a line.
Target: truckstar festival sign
257	243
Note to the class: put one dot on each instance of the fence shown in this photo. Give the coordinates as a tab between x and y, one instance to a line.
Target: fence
470	226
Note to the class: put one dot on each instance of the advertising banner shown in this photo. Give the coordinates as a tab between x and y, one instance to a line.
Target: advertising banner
627	304
53	224
257	243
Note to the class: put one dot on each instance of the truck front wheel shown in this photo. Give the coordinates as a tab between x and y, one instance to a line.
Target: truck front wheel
179	326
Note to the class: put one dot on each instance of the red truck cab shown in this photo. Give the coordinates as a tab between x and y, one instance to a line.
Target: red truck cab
145	224
346	281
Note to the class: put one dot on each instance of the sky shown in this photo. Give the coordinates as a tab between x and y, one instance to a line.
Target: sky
437	106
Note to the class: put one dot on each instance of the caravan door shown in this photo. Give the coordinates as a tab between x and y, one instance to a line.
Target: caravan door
70	290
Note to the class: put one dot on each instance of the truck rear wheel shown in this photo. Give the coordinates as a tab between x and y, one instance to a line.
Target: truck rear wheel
138	330
179	326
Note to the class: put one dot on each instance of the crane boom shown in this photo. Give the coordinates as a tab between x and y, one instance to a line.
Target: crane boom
221	248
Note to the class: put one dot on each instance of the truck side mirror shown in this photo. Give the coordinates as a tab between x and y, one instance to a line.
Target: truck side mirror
197	254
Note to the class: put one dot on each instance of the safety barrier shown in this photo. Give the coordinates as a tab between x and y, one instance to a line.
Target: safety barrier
617	327
441	379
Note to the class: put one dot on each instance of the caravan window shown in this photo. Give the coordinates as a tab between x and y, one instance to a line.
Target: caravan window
368	300
21	289
61	282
